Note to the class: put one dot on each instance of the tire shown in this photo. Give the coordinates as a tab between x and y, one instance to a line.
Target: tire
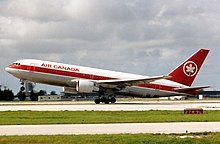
107	101
21	96
97	101
113	100
22	88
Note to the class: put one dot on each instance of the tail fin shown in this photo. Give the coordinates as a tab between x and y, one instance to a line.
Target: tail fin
187	71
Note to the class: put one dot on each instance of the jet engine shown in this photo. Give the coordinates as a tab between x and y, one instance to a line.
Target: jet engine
86	86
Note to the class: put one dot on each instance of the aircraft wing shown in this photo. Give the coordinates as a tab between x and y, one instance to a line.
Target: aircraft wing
127	82
191	88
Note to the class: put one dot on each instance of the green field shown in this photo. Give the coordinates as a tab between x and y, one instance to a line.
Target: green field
85	117
92	117
199	138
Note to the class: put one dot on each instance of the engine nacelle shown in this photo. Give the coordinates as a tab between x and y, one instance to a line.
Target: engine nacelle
69	90
86	86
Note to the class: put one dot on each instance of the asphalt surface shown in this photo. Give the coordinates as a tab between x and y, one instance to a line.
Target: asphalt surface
132	128
123	105
122	128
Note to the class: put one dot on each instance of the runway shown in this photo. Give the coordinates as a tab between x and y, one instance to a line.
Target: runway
119	106
121	128
131	128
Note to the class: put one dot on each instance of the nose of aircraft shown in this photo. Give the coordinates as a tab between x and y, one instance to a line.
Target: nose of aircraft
8	69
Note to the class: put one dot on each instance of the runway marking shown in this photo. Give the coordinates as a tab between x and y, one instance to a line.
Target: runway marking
132	128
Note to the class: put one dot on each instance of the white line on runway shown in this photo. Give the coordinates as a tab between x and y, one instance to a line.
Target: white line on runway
132	128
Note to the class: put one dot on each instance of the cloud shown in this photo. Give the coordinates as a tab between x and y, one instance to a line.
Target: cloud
35	9
145	37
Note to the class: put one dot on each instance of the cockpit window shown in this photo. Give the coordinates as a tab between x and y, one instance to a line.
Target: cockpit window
17	64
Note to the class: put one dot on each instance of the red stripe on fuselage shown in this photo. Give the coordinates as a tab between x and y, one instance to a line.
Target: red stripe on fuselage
166	88
92	77
61	72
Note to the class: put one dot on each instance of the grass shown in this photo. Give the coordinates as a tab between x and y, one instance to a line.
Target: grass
78	117
93	117
199	138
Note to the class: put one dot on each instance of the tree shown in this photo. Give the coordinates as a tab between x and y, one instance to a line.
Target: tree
1	94
42	93
34	95
6	95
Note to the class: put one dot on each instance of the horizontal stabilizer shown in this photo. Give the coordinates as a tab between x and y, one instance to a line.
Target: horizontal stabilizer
191	88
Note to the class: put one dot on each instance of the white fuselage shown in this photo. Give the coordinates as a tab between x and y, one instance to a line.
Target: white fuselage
60	74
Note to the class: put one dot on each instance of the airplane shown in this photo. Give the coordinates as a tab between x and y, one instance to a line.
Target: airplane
82	79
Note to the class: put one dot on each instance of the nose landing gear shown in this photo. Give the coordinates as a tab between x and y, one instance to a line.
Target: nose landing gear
22	88
22	93
27	90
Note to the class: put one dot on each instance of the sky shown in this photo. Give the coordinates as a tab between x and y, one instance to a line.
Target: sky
149	37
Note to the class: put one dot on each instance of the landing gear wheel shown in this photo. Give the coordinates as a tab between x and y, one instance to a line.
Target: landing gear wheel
22	88
21	95
107	101
97	101
113	100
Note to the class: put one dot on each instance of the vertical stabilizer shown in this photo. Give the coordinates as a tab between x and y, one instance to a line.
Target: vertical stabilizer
188	70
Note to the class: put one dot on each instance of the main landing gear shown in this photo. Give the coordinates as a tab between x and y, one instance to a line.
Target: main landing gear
105	100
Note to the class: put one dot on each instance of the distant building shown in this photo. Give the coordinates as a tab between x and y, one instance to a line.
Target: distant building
210	94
